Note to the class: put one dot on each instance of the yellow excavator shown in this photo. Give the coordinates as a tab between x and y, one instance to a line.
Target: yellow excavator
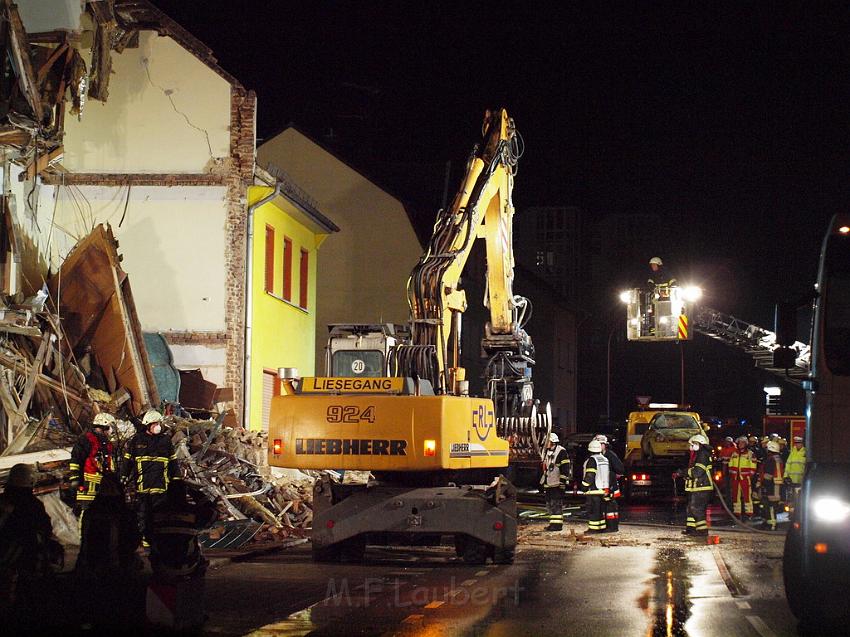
396	403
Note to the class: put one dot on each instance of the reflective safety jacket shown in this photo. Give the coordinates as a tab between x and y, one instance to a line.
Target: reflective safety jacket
742	464
90	457
795	466
557	468
596	475
698	477
151	462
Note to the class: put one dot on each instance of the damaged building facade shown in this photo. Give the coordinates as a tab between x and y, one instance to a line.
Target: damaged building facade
116	115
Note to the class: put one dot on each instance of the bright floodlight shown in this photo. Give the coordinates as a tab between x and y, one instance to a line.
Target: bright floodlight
828	509
626	296
693	293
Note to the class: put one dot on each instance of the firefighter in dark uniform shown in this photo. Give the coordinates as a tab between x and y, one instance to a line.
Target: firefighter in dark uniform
150	464
91	456
698	485
595	476
557	472
175	550
615	469
772	470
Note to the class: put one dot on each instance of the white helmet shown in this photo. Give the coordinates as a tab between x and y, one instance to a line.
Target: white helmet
698	439
601	438
151	416
773	446
656	261
553	437
595	446
103	420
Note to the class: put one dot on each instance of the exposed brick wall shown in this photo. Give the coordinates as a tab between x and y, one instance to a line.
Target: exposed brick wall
243	107
212	339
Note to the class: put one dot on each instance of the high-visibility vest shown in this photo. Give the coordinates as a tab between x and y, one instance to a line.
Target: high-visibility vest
556	465
742	464
795	465
699	473
596	469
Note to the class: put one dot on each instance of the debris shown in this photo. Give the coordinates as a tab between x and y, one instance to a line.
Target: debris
229	465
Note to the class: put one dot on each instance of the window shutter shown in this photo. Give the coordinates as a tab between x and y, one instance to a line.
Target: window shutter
305	256
287	268
268	393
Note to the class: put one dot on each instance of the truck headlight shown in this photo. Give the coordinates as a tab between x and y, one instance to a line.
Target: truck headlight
830	510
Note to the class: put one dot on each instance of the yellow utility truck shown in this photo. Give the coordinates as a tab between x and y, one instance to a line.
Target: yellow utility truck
397	404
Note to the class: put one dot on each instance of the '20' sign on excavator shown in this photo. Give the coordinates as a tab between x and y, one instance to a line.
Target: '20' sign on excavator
482	421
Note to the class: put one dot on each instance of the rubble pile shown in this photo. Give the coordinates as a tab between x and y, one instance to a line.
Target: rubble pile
229	466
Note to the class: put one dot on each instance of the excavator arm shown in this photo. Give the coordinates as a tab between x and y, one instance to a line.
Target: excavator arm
482	208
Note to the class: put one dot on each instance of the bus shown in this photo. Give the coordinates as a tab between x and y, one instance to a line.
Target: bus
816	563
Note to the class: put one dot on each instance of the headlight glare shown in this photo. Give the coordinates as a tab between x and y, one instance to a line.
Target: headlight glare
830	510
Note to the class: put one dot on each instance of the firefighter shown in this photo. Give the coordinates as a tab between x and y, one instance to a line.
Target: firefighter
615	470
795	465
110	534
595	485
150	463
772	472
91	456
742	468
557	471
28	550
175	551
726	452
657	275
698	484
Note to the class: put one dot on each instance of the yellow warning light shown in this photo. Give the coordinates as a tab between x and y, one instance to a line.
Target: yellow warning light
844	229
430	448
821	548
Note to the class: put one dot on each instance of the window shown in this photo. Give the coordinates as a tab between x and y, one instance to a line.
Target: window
302	297
287	268
269	259
358	362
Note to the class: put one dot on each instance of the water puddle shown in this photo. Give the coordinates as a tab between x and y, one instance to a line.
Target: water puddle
667	598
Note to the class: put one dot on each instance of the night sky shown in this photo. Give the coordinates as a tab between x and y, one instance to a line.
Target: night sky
728	121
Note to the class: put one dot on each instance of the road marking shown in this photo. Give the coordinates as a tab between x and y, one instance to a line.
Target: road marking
435	604
761	628
481	573
743	605
413	619
468	582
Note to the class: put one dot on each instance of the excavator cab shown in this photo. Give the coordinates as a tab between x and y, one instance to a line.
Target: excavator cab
361	350
660	313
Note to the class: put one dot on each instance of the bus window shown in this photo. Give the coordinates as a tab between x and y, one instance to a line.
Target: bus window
836	342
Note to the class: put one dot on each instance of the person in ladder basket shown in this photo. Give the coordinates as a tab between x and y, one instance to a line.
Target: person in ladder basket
595	476
150	462
698	485
615	469
91	457
557	471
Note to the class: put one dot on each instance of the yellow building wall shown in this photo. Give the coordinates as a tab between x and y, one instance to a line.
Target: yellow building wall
283	334
365	266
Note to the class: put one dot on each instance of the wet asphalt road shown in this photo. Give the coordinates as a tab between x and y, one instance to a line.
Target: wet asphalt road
644	581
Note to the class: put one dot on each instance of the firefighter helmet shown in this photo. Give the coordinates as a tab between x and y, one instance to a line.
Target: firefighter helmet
595	446
151	416
656	261
741	439
103	420
698	439
21	475
773	446
553	437
798	439
601	438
